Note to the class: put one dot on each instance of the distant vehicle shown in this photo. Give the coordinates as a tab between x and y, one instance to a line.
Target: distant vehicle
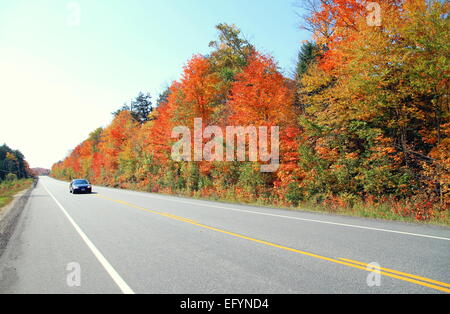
80	186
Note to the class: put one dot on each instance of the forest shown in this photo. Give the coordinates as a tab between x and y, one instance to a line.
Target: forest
364	121
15	174
13	165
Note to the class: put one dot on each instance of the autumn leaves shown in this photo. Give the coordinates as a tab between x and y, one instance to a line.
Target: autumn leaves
238	138
365	120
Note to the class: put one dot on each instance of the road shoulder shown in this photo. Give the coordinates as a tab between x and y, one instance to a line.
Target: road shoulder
9	215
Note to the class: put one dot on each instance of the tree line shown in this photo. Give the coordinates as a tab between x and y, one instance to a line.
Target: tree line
12	164
364	119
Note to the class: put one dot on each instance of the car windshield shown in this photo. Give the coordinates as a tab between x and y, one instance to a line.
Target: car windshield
80	182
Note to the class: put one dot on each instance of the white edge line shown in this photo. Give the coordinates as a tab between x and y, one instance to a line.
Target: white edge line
296	218
123	286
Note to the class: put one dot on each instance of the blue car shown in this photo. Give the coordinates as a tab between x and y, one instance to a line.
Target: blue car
80	186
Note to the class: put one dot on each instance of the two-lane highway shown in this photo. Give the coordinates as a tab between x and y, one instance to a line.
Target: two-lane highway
134	242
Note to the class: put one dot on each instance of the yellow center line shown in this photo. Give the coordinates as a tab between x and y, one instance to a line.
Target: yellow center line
426	282
399	273
149	210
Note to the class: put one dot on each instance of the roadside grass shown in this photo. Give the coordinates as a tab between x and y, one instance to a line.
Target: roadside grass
385	211
408	211
9	188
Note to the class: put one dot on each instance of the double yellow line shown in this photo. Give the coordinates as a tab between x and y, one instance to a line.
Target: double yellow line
423	281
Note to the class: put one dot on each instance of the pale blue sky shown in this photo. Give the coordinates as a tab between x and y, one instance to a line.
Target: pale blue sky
59	82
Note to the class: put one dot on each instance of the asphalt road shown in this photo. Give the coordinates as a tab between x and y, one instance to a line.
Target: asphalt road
119	241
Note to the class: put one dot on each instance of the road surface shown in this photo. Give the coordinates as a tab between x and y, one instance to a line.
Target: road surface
119	241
